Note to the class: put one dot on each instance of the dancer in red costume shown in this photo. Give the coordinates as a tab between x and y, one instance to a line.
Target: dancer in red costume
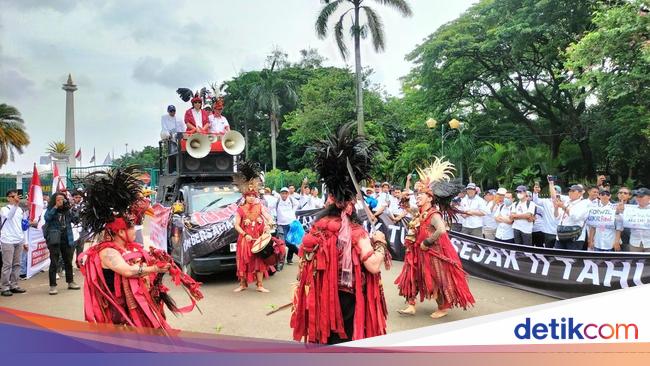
432	268
251	221
123	281
339	296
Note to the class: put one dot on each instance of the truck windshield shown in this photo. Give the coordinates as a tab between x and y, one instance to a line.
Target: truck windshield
212	198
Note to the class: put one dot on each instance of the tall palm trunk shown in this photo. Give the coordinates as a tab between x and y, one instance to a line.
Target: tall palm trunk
273	136
357	65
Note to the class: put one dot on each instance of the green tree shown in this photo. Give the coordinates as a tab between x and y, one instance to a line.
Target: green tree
505	60
267	96
146	158
12	133
374	26
615	57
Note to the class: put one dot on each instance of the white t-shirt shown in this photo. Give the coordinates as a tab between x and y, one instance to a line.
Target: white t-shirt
286	210
472	204
172	125
305	202
523	225
504	231
12	231
317	202
546	221
488	220
218	124
271	202
578	212
605	234
198	118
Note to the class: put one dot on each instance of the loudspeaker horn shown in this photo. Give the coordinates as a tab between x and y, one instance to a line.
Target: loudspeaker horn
198	145
233	142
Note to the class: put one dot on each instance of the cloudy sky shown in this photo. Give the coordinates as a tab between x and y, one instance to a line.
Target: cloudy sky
128	57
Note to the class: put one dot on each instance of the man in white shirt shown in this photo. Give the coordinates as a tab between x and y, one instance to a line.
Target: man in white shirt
605	233
502	217
472	208
489	224
523	215
286	212
12	241
317	202
170	124
572	215
545	221
640	236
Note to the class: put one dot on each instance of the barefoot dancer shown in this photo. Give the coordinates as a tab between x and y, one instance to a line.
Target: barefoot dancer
432	268
251	221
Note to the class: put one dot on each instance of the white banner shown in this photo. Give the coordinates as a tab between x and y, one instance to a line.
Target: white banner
602	217
154	228
38	256
636	218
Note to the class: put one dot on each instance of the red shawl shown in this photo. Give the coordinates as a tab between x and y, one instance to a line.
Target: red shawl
136	301
316	307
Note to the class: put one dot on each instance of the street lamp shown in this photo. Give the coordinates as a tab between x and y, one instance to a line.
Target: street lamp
453	124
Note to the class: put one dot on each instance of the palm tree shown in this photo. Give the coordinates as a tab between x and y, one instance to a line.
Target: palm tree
374	25
58	148
12	133
269	95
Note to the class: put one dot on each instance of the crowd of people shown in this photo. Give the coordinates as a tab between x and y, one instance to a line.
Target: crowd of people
554	220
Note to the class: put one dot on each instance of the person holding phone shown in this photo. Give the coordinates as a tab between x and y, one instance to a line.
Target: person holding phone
12	241
60	240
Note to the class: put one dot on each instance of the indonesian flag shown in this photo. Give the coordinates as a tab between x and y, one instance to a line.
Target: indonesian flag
36	199
58	182
78	155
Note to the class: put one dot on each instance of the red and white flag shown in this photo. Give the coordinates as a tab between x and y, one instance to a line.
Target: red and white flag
58	182
36	198
78	155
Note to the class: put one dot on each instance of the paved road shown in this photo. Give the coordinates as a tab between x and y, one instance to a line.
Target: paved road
243	314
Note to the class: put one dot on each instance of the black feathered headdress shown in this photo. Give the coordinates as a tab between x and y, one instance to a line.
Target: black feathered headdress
247	178
331	159
108	196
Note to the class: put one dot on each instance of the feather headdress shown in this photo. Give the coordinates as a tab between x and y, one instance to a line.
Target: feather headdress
331	161
108	196
247	178
437	181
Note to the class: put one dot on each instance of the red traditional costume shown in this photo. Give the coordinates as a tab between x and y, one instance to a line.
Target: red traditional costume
189	116
252	220
437	271
108	296
337	298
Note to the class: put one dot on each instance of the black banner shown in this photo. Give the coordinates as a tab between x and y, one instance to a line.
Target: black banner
203	240
557	273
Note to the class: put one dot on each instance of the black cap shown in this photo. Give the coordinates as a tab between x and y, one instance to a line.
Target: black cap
643	191
171	108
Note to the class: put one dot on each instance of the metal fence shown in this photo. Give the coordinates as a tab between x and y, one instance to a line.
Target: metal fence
75	177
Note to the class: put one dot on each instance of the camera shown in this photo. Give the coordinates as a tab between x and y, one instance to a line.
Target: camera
551	178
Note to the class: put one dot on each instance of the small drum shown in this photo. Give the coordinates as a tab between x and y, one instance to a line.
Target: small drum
263	246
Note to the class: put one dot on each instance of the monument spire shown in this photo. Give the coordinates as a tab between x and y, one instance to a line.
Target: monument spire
70	88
